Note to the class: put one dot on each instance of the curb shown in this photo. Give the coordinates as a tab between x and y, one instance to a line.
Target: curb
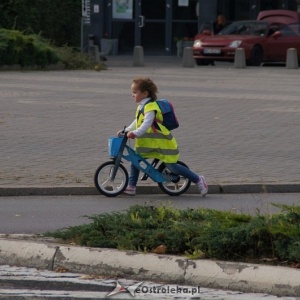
32	253
213	189
56	67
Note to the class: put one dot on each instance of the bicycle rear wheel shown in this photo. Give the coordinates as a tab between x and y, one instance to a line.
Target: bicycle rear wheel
105	185
178	185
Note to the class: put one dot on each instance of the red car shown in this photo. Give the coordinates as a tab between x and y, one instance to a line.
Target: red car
263	41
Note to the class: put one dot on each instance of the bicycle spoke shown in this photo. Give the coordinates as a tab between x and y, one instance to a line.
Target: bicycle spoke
104	184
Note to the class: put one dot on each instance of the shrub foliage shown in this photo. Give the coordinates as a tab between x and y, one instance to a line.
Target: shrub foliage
58	21
219	235
31	50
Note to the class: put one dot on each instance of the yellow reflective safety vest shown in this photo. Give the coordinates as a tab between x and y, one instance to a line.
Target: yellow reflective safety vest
157	141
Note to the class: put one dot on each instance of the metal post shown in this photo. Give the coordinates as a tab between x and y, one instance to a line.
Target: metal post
81	35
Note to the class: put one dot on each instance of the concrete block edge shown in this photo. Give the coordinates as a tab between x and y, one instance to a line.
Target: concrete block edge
247	188
279	281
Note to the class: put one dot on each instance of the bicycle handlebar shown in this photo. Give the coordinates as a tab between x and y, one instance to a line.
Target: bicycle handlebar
123	132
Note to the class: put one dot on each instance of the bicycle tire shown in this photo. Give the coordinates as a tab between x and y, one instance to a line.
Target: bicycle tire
175	187
103	182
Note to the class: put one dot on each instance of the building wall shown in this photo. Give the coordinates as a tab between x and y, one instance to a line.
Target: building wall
103	26
208	10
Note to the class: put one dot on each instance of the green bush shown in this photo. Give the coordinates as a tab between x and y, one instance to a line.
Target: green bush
31	50
219	235
56	20
72	58
19	49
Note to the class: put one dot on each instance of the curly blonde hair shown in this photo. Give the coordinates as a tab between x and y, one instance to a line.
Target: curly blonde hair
145	84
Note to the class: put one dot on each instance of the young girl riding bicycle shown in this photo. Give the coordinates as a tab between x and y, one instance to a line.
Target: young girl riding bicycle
153	140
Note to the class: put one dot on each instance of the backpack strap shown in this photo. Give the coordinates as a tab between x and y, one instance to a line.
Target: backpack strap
154	125
141	111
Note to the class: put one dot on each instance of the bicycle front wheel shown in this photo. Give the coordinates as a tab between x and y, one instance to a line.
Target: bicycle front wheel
105	185
178	185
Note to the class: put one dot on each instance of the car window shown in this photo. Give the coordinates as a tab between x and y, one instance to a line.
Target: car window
260	29
206	26
231	29
245	28
290	30
273	28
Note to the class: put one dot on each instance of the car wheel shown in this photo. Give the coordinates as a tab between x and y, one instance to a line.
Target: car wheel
256	57
202	62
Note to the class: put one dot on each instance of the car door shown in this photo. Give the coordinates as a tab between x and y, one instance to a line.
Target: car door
282	40
291	37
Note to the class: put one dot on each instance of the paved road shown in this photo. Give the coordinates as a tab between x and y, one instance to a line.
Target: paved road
38	214
236	125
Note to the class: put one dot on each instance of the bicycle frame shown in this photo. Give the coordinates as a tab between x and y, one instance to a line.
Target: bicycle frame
139	162
111	178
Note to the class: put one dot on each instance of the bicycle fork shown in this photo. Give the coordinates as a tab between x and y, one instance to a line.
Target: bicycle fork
118	160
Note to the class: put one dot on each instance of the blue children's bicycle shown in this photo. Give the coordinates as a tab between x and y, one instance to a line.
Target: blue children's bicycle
111	178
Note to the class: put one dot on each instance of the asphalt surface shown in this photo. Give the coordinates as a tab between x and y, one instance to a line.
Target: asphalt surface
237	126
40	214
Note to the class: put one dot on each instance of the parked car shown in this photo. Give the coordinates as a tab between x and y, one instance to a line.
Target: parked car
263	41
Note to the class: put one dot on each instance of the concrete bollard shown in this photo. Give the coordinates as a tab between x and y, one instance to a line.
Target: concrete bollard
188	60
239	58
138	56
93	51
292	59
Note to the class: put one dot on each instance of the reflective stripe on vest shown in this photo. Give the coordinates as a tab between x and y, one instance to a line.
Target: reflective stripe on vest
157	135
161	151
156	143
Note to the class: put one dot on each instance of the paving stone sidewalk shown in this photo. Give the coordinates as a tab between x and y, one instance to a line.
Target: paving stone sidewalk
236	125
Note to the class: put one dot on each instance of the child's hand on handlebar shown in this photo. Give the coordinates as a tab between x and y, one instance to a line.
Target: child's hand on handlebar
131	135
120	133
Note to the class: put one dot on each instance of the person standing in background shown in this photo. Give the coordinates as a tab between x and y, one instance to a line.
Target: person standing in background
219	24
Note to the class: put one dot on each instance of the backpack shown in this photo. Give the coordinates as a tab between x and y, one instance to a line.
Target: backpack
169	118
